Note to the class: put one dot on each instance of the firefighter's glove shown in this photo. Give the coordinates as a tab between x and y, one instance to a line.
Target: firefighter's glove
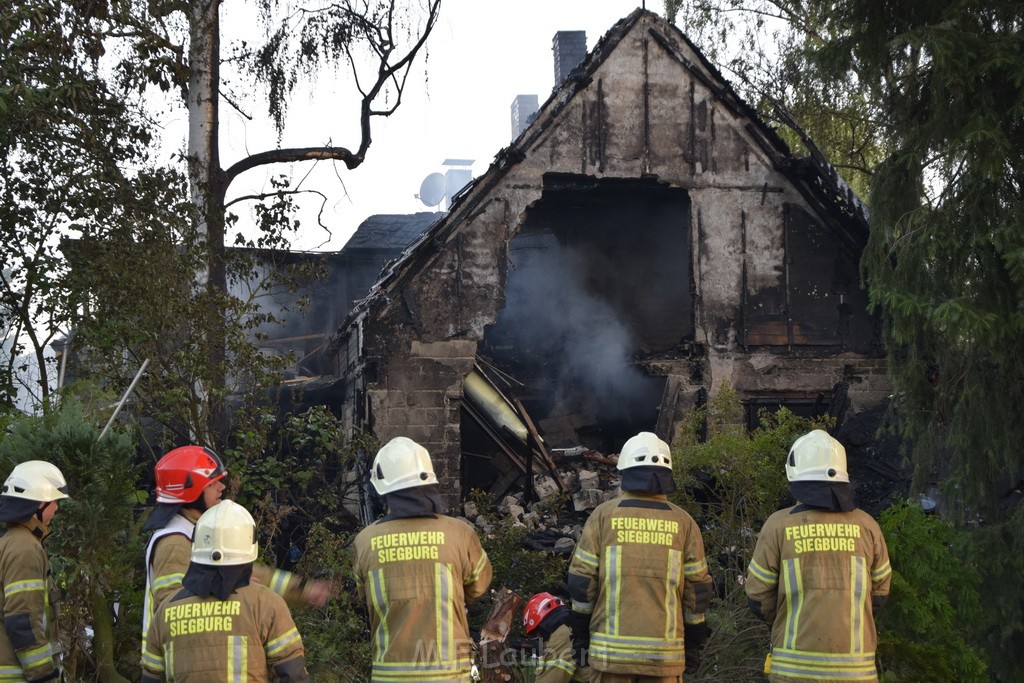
579	624
695	635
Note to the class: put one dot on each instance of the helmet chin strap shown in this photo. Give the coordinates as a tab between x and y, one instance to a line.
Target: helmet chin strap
40	510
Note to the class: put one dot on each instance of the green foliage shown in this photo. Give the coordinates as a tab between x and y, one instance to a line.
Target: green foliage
336	636
934	603
996	555
943	262
95	545
730	483
73	160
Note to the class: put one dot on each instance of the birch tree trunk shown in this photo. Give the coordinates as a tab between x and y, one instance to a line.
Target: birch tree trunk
206	180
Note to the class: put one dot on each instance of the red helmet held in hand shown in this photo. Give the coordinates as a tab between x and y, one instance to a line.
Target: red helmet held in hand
538	607
183	473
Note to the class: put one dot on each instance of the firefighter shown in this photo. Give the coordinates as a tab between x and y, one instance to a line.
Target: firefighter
220	625
27	505
638	578
820	572
189	482
546	617
416	569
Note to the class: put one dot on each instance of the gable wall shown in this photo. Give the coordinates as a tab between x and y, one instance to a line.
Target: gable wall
642	114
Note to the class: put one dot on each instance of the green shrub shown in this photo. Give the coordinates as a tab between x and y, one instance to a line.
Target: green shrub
731	483
95	549
336	636
933	602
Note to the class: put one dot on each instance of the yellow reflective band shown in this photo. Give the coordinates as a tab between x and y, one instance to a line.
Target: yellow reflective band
166	580
693	618
794	587
23	586
279	581
582	607
441	677
281	642
420	672
672	572
238	659
444	623
152	661
693	568
169	650
824	665
586	558
766	575
562	664
37	657
858	604
613	590
379	600
881	572
478	568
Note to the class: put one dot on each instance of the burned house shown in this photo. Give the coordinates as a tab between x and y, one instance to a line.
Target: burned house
645	240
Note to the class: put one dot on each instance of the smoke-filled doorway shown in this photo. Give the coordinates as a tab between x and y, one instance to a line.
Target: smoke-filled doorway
599	277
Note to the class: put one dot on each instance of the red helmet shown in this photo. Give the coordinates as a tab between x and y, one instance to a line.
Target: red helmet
183	473
539	606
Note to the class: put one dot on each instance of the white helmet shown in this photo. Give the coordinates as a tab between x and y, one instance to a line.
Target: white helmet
225	535
36	480
816	456
401	464
645	449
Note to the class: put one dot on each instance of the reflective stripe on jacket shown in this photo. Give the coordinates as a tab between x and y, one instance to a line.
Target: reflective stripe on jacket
555	663
239	640
167	558
29	612
642	559
416	576
814	573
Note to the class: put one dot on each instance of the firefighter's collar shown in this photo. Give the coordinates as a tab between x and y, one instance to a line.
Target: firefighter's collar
191	514
37	528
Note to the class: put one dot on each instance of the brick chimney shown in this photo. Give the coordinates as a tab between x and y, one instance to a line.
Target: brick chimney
524	109
570	47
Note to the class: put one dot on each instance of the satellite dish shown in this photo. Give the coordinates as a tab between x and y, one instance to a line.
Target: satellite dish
433	189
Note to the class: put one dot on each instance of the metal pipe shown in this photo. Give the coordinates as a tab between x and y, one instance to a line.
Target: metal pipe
127	393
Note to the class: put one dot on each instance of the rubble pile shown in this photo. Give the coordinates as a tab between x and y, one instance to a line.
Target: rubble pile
554	520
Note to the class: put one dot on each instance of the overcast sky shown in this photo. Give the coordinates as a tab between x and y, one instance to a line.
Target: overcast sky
482	54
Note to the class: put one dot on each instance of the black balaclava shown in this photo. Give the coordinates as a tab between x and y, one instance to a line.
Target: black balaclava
552	621
416	501
15	510
835	496
203	580
649	479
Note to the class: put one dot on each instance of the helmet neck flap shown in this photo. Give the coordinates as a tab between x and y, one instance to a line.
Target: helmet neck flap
419	501
203	580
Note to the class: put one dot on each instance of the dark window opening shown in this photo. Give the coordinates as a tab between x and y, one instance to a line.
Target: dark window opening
599	277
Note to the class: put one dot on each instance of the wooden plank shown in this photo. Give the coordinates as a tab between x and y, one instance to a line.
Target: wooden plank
495	633
528	421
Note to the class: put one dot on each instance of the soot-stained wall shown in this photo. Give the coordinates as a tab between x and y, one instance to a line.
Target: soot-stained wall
645	241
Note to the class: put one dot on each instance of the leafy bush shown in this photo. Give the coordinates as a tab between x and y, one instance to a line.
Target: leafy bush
731	483
996	553
95	549
336	637
933	602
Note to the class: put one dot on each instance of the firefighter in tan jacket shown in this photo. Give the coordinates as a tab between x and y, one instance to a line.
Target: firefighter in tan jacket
188	482
27	505
220	626
638	578
416	569
546	618
819	573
